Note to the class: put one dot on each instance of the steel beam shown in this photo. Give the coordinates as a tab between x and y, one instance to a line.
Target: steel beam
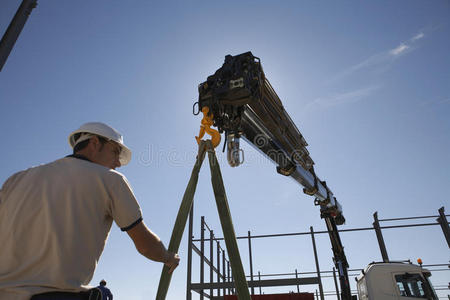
14	29
258	283
202	254
376	226
211	259
317	263
251	260
189	262
259	279
336	284
444	225
204	259
224	276
218	266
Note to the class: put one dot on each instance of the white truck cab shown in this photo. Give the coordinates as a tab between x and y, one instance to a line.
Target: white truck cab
394	281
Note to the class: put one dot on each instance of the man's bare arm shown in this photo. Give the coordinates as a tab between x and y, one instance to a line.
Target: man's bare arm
150	245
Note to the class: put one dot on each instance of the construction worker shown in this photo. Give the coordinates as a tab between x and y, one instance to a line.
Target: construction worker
55	219
106	293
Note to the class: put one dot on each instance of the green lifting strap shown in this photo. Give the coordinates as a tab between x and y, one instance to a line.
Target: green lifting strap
225	220
180	222
227	227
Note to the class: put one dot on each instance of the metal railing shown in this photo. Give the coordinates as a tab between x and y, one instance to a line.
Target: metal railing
223	284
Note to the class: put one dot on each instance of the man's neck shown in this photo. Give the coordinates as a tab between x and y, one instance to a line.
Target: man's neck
79	156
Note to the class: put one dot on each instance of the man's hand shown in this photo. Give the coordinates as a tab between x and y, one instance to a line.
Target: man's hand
172	260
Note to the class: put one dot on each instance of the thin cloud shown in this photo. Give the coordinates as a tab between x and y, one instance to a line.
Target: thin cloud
371	61
382	58
418	36
401	49
404	47
374	60
343	98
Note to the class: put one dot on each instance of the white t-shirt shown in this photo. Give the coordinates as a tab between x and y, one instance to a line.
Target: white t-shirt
54	223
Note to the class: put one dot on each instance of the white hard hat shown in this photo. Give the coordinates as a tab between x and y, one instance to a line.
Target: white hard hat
105	131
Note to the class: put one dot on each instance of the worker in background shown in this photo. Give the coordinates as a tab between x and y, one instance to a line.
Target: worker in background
55	219
106	293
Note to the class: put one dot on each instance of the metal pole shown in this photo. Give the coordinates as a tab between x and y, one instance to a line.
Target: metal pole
228	276
189	262
444	225
336	284
224	278
218	267
211	260
376	226
15	27
259	278
233	290
202	254
251	260
296	277
317	264
317	296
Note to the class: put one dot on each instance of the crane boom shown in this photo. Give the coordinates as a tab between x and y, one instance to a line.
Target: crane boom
242	103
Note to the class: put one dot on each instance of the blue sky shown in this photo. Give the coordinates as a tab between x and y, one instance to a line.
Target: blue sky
367	83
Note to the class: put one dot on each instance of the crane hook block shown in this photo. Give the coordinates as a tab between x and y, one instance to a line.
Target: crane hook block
205	126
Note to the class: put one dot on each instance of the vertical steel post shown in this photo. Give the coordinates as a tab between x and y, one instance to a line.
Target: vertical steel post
376	226
444	224
218	267
211	262
189	262
14	29
317	263
259	278
233	289
296	277
336	284
224	277
229	277
317	295
251	260
202	254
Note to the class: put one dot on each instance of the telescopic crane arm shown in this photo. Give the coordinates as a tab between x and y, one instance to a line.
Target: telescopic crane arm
242	103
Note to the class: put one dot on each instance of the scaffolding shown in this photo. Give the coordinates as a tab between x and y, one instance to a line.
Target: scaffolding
221	281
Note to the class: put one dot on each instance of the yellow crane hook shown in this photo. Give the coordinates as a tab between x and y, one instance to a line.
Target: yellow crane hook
205	126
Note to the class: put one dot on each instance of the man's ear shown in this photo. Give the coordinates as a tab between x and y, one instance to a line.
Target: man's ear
94	143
